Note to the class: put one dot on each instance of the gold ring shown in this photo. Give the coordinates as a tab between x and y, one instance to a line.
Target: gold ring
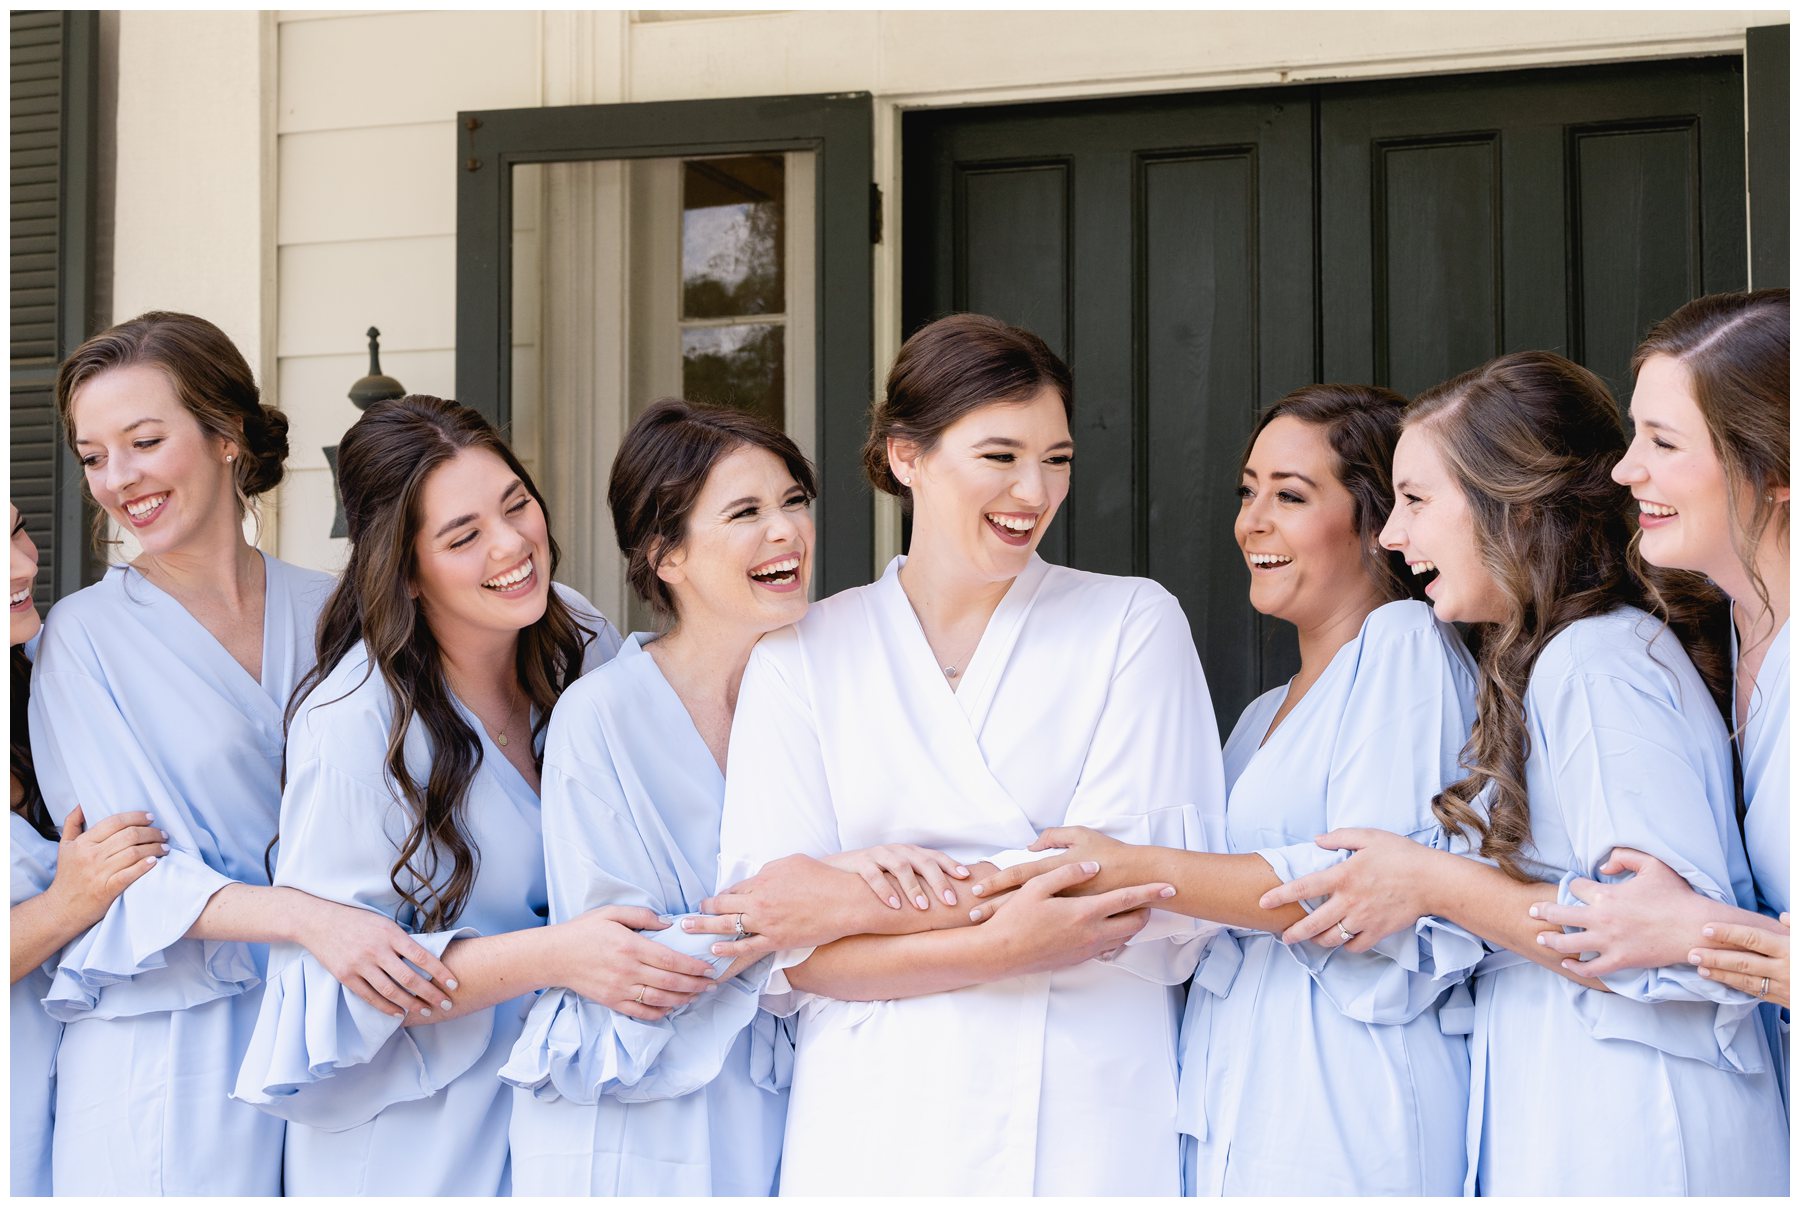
1764	991
1347	934
639	999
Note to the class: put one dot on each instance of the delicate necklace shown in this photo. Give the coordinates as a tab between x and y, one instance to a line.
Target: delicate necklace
512	709
950	672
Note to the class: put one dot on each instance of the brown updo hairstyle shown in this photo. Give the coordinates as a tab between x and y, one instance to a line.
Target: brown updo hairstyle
1734	347
660	470
210	377
948	368
1361	425
1531	439
384	461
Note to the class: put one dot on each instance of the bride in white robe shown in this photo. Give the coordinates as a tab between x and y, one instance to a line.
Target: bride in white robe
972	697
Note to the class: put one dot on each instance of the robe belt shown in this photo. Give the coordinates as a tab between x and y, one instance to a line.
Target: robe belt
1220	961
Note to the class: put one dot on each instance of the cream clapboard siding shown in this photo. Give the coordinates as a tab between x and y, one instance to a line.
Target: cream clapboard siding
364	178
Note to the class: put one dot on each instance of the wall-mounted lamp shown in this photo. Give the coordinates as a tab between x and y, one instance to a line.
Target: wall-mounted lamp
375	387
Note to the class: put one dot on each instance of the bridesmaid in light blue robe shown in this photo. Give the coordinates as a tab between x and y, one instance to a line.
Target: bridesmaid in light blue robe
137	706
1763	748
607	1104
35	1035
375	1108
1308	1069
1617	721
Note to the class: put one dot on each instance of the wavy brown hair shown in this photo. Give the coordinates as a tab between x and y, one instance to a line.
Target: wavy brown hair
383	463
1361	425
1734	347
1531	439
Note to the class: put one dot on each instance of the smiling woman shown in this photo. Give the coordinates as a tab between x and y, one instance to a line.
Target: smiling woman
970	698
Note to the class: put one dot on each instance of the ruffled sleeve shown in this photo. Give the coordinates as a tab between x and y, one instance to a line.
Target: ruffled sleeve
579	1050
322	1056
319	1054
135	960
1630	772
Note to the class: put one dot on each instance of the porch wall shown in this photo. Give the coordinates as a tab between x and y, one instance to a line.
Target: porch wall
356	197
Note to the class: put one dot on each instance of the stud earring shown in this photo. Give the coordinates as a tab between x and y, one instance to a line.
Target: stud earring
230	457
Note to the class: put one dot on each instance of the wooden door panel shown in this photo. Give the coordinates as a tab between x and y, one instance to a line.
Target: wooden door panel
1599	200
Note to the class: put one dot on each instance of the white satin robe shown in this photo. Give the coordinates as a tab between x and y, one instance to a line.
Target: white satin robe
1083	704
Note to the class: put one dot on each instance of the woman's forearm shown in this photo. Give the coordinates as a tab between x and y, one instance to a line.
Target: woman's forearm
490	969
1484	900
866	968
41	927
1215	887
253	913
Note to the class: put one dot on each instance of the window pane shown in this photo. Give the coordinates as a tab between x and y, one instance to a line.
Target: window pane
739	366
733	215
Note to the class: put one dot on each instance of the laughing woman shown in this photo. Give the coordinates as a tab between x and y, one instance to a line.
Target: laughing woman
412	794
970	698
1349	1049
1593	730
1709	467
160	688
650	1091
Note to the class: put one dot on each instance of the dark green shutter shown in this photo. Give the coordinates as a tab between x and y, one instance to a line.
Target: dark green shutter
53	141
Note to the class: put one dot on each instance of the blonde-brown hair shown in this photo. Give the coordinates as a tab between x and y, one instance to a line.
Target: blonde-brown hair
1531	439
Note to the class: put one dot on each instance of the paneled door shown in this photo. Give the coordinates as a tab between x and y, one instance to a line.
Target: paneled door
1194	257
1466	217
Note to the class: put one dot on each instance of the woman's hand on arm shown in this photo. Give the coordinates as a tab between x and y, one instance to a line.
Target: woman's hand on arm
1217	887
92	868
1748	956
1651	920
369	954
1036	931
798	901
598	954
1390	882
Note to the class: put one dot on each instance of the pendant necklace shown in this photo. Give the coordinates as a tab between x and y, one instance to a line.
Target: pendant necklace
512	707
950	672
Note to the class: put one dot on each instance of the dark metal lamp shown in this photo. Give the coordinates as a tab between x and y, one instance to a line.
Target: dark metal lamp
370	389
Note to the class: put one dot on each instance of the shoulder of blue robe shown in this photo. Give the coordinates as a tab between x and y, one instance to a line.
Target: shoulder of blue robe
605	640
1640	759
33	861
1407	704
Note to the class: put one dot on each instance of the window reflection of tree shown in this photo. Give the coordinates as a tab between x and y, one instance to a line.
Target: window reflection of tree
732	252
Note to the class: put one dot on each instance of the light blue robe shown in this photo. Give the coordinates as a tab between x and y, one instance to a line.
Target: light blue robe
134	705
1763	745
1666	1084
606	1104
35	1034
1309	1070
374	1108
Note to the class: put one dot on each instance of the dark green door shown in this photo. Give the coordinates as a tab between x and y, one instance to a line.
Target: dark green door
1196	256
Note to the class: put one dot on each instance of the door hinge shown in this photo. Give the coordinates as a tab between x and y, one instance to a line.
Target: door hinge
874	213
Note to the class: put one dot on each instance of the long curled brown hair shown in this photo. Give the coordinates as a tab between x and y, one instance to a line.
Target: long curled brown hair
1531	439
383	463
1734	347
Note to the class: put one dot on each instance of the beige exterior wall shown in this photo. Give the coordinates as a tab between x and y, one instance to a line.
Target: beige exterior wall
353	196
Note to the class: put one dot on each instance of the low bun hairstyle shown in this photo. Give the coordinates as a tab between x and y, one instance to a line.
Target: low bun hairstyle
660	470
947	369
211	378
1362	426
